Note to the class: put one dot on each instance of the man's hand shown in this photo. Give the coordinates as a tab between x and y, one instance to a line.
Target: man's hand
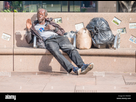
28	24
49	27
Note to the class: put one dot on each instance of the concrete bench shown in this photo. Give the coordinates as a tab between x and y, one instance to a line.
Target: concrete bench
120	60
26	58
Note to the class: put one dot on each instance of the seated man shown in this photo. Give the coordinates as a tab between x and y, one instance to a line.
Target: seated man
50	36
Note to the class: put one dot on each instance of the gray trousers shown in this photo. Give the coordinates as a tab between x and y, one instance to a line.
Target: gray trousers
60	42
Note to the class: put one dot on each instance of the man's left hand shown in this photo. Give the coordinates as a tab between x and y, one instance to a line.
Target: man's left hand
49	27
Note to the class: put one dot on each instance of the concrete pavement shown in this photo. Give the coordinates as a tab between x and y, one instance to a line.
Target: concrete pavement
92	82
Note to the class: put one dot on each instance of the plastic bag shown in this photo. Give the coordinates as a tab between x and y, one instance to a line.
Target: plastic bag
101	33
72	37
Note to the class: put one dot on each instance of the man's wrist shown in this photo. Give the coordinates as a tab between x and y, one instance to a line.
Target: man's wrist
28	30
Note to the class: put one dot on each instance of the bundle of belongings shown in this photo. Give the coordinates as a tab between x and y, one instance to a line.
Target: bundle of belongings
80	39
83	40
102	36
96	33
71	36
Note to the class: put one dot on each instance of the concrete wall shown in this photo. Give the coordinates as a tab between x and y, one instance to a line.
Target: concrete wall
6	26
70	19
6	47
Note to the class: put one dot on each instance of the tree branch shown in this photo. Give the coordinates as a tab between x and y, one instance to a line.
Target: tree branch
125	4
132	2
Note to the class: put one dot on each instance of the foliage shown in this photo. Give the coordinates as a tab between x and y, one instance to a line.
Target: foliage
15	10
6	10
17	6
83	9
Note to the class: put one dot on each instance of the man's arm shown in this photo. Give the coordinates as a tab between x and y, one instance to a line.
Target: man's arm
29	36
57	29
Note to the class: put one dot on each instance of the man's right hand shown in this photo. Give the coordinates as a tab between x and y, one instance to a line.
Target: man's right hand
28	24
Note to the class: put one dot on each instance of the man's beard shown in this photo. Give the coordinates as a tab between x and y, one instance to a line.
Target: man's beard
40	20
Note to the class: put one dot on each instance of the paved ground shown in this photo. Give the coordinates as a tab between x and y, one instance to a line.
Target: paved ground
62	82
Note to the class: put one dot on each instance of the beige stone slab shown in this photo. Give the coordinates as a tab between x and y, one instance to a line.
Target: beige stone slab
6	51
108	63
23	83
128	87
59	84
20	20
85	81
110	80
6	27
130	78
46	63
80	80
9	88
34	63
31	74
12	84
124	52
85	88
38	80
59	88
118	73
15	80
1	77
99	88
6	63
32	88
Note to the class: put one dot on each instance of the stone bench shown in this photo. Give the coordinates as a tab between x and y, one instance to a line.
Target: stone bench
120	60
23	57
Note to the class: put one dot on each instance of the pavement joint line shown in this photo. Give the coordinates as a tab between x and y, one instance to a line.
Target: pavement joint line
75	88
28	80
44	87
124	79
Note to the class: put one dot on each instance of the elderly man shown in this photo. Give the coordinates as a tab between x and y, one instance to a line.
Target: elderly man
50	36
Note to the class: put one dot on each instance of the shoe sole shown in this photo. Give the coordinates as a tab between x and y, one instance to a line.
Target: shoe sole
90	66
79	71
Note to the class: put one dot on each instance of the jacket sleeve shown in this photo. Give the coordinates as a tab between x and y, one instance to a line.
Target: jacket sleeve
58	29
29	37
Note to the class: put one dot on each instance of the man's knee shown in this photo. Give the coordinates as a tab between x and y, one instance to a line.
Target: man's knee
53	51
51	46
68	46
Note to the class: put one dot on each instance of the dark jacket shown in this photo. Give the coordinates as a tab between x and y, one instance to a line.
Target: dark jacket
40	42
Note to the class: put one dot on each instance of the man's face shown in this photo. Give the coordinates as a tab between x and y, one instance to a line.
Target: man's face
41	16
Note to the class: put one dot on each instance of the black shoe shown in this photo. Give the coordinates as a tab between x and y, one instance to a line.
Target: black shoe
86	68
